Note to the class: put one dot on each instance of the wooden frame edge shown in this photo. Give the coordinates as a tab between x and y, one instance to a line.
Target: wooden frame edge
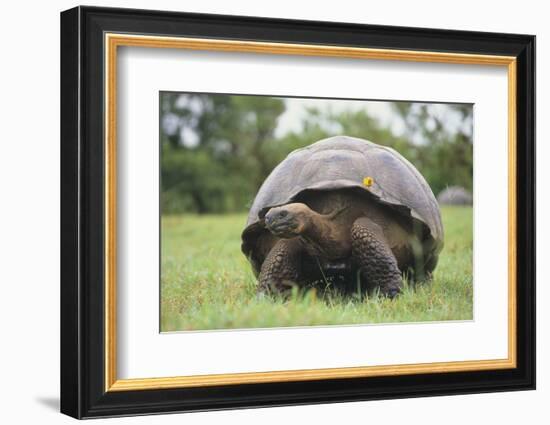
306	375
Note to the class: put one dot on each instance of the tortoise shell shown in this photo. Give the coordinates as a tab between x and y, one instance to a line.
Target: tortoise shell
343	162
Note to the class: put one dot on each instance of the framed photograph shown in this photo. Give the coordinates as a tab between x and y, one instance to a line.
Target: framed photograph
261	212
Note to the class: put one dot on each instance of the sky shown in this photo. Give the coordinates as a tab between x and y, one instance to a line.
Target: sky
296	109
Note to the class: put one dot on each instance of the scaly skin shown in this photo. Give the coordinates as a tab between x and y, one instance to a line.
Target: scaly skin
281	268
343	232
376	261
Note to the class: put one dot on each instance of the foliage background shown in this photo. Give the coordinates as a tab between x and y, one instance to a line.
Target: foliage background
218	149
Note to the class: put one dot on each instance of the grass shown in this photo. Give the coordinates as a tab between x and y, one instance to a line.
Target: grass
207	282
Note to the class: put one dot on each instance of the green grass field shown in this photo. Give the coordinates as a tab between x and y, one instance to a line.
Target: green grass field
207	282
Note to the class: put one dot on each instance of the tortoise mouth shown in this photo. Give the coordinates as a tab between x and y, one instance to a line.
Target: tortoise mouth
281	228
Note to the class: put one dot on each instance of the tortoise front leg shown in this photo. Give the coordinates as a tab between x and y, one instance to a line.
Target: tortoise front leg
281	268
376	261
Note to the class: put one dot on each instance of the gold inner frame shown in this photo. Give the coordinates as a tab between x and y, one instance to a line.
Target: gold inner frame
113	41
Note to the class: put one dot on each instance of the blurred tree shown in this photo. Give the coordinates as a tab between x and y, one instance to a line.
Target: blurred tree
214	150
444	157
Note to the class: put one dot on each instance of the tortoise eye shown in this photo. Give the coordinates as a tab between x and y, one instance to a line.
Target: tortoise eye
283	213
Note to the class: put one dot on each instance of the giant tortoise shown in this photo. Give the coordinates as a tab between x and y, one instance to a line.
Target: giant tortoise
343	206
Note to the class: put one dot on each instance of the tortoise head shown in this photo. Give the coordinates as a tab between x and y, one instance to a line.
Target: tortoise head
289	220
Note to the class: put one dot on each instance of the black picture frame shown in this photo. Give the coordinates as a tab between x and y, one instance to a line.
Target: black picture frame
83	392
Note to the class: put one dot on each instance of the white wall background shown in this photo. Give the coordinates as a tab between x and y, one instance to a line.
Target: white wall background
29	224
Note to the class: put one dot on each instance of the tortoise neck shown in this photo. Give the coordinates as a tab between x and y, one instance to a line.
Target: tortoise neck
318	229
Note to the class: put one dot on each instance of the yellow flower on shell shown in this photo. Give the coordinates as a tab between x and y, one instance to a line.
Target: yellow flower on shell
368	181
